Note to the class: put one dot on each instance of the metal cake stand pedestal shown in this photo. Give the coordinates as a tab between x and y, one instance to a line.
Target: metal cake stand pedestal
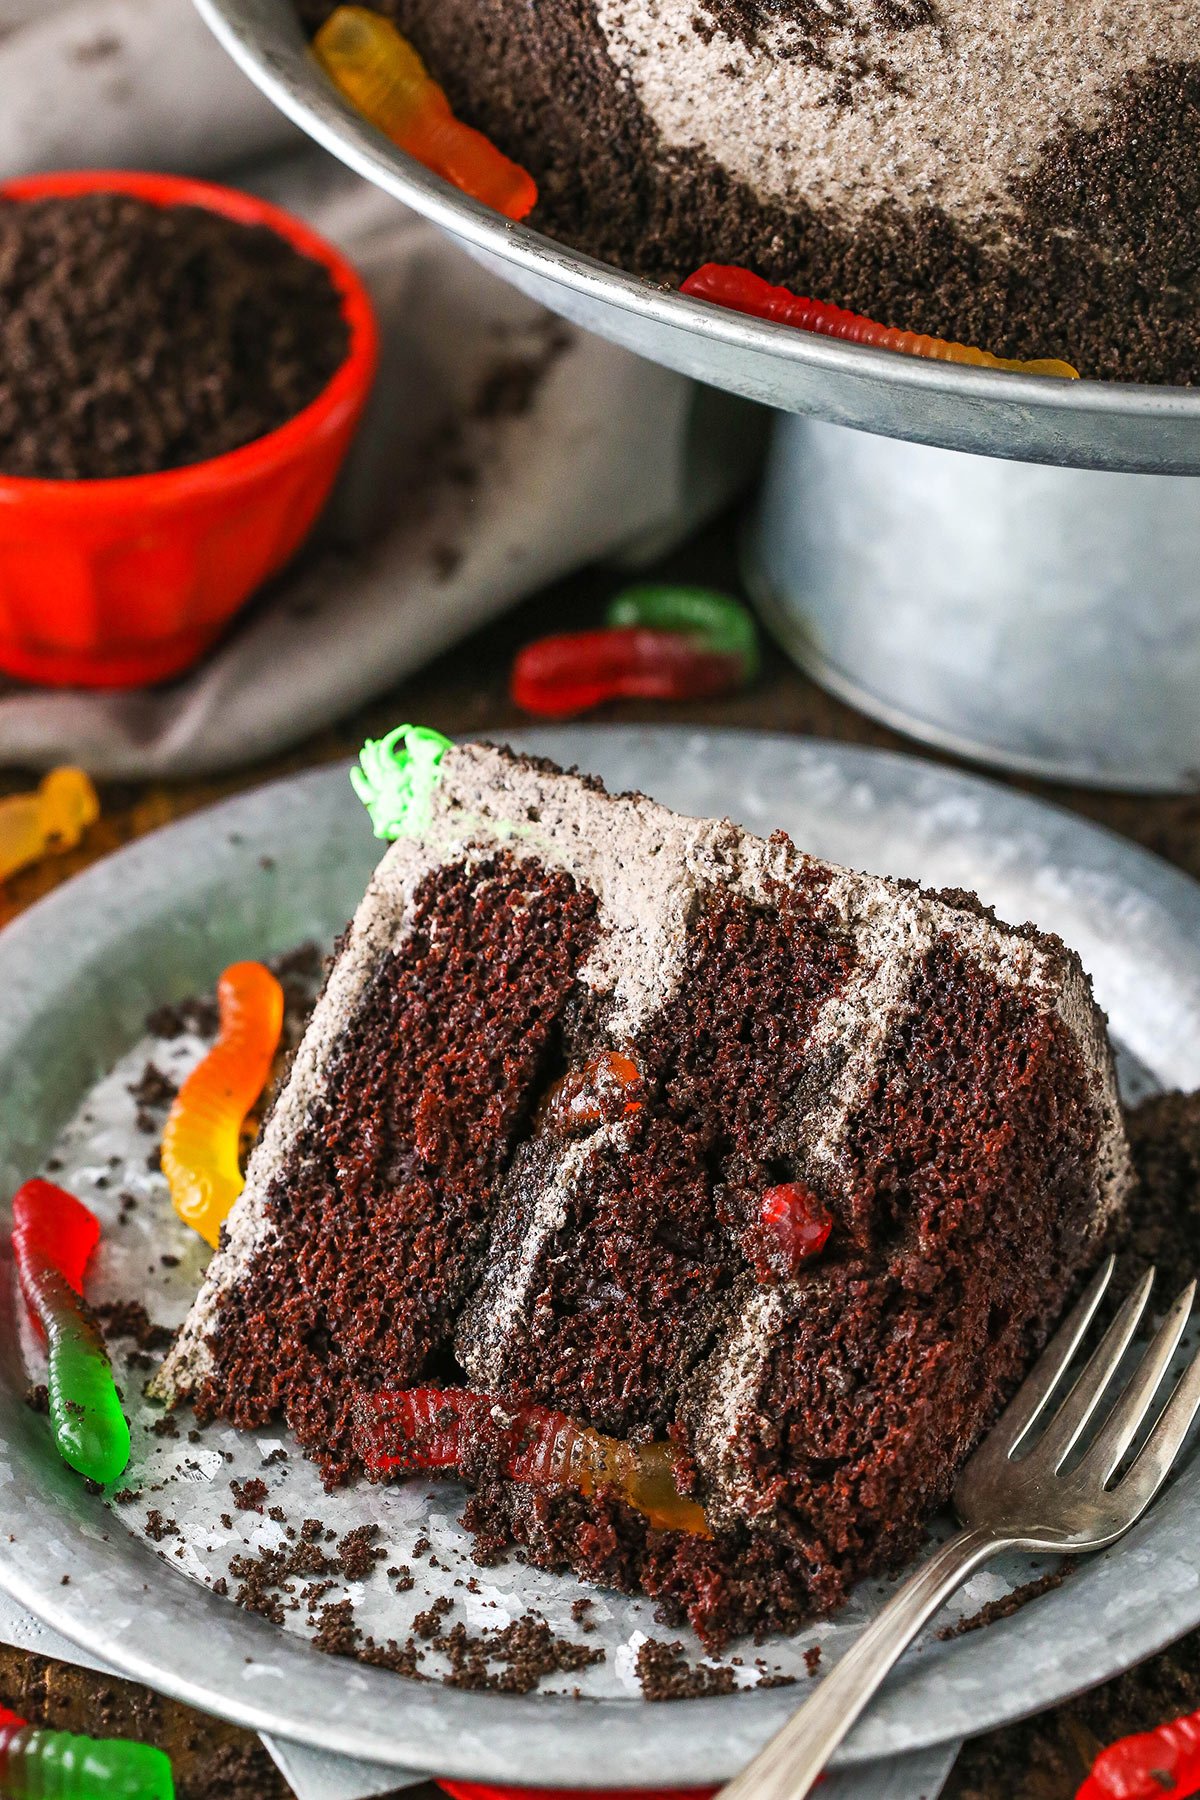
1002	565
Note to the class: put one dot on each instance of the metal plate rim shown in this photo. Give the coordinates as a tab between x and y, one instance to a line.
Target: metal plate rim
49	948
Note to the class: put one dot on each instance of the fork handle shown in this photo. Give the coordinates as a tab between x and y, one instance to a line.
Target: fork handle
788	1766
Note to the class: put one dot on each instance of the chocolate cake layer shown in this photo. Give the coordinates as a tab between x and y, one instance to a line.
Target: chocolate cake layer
424	1210
1024	180
625	1250
397	1163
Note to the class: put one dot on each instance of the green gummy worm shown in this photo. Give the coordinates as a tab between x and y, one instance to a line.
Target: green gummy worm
723	625
85	1413
58	1765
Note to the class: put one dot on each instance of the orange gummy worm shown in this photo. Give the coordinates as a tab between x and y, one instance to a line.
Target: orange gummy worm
380	73
643	1474
586	1097
201	1139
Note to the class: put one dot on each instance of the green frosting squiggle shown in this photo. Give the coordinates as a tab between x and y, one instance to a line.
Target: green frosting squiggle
396	777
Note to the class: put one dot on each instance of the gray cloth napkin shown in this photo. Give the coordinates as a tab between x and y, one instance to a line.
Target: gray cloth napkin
124	84
501	449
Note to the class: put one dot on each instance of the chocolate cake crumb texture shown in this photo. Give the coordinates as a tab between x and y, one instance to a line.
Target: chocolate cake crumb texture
444	1120
129	1319
248	1496
1008	1604
526	1652
357	1552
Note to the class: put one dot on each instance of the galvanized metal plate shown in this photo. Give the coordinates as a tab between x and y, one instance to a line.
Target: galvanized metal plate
1087	424
160	919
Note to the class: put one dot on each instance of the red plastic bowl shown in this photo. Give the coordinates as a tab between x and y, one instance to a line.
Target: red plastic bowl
119	582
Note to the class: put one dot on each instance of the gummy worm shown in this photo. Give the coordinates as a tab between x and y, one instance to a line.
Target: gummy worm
53	1236
55	817
586	1097
59	1765
558	676
731	286
428	1428
202	1136
795	1223
1150	1766
714	620
381	74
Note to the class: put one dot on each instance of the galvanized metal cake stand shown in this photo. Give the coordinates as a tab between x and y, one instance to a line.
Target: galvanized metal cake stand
1004	566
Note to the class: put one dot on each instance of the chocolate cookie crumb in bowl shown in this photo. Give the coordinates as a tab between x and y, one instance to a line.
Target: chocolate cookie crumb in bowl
136	338
146	492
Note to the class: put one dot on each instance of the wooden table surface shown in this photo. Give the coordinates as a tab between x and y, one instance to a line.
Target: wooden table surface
465	692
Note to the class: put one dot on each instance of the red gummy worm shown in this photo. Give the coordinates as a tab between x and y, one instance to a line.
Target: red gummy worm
53	1227
558	676
1153	1765
588	1096
725	284
426	1422
796	1222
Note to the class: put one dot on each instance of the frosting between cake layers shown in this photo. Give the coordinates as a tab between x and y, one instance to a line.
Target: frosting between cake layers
949	113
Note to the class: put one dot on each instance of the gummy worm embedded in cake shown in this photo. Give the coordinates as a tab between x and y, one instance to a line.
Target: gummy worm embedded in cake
741	291
876	1140
381	74
445	1428
53	1237
36	1764
605	1087
202	1138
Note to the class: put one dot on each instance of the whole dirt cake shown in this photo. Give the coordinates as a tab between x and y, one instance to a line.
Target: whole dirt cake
136	338
1023	178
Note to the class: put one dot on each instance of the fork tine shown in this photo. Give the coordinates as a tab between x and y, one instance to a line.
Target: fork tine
1153	1462
1063	1432
1038	1386
1114	1439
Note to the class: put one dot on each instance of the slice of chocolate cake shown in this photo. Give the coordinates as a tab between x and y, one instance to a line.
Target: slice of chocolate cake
699	1202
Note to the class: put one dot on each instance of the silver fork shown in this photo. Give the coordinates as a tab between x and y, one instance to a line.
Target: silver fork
1012	1502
